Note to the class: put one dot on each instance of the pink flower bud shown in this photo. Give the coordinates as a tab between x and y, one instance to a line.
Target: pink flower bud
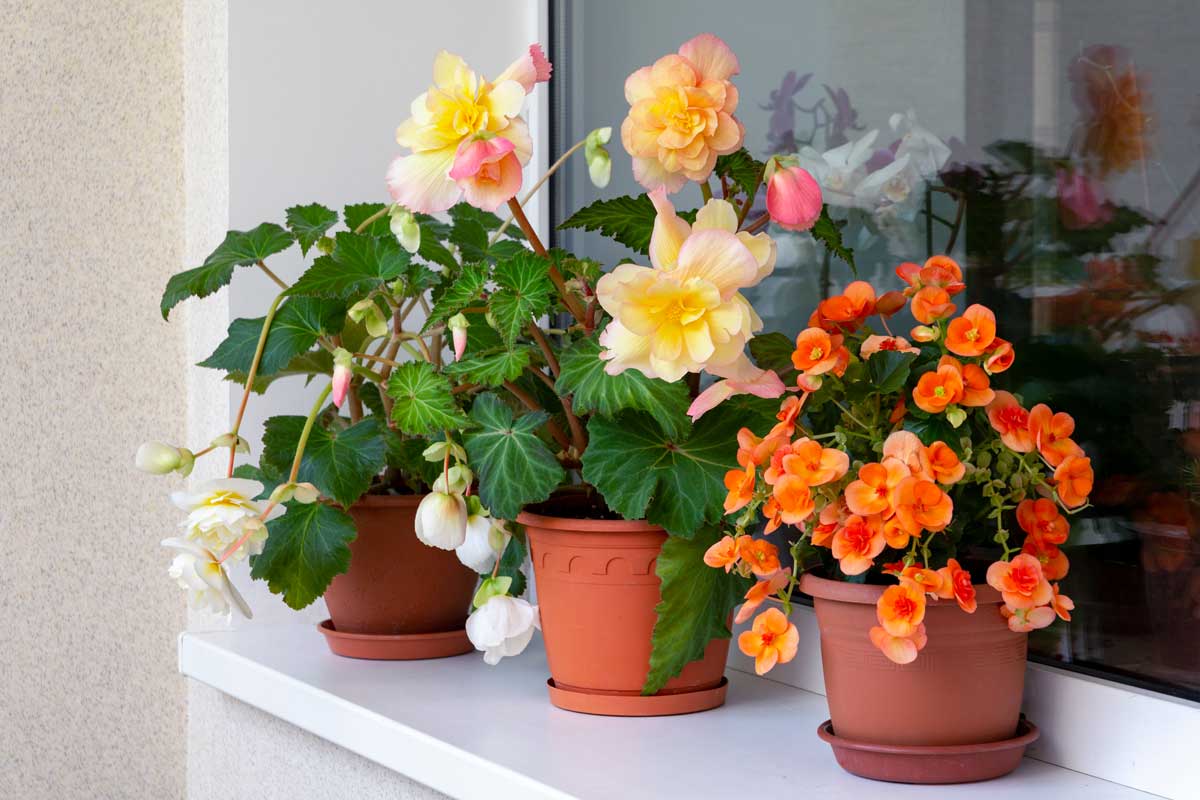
341	376
793	198
458	328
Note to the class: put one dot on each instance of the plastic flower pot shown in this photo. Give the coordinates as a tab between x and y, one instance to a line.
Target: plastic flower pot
952	715
597	589
400	599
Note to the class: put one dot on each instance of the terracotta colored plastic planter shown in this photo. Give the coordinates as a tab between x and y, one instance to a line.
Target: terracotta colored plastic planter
400	599
597	589
961	696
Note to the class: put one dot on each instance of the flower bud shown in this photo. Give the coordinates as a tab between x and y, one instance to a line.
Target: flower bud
793	198
405	228
367	312
923	333
598	161
231	439
158	458
442	520
458	327
325	245
890	303
955	416
455	480
306	493
437	451
342	361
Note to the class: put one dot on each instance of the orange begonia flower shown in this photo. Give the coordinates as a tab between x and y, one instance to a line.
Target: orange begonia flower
1024	620
760	555
814	464
973	333
977	389
722	554
1062	605
909	272
1053	560
939	388
1011	422
1000	356
874	343
1020	582
846	311
772	515
755	450
901	609
945	464
894	533
740	484
832	517
1042	518
760	591
772	640
816	351
899	649
872	492
927	580
905	446
793	499
922	505
789	412
1052	434
857	542
943	271
931	304
1073	480
956	583
898	412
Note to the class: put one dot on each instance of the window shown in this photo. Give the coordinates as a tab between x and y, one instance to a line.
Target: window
1063	172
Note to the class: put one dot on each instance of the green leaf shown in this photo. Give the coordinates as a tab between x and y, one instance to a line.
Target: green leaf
515	467
423	402
676	483
628	220
510	565
522	294
774	351
341	463
694	609
309	223
492	369
432	250
829	233
407	455
593	389
742	169
486	219
305	549
240	249
298	324
889	369
930	429
359	263
571	266
459	293
471	238
359	213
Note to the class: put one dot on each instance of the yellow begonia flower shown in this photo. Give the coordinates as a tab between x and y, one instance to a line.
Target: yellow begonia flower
685	314
681	114
459	107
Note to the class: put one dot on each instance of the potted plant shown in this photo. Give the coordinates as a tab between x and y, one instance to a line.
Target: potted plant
927	510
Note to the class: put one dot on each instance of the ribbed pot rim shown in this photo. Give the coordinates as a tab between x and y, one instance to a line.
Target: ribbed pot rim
869	594
575	525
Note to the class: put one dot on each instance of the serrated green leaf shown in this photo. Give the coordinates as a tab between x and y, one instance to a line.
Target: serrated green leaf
510	565
309	223
459	293
522	294
829	233
694	608
240	249
358	264
298	324
341	463
582	376
305	549
571	266
358	213
742	169
889	369
423	403
488	220
419	279
515	467
930	429
492	369
471	238
628	220
774	351
644	473
407	456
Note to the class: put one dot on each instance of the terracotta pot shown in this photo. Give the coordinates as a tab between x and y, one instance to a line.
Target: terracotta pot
964	688
597	590
396	585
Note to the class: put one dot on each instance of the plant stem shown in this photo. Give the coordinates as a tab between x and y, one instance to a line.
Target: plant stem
272	275
758	224
366	223
541	182
251	375
556	277
706	191
846	411
529	402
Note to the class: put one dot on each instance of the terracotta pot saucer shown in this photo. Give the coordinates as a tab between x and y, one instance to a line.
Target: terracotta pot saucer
627	704
937	764
396	647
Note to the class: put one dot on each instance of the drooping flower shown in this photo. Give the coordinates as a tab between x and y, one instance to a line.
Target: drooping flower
442	520
874	344
681	114
455	110
944	463
759	555
722	554
757	594
221	511
755	450
1073	480
793	197
956	583
1024	620
899	649
488	171
999	357
742	377
1052	434
503	626
1053	560
197	570
901	609
1062	605
857	542
927	580
740	484
772	640
1020	582
1010	421
1042	518
485	540
973	333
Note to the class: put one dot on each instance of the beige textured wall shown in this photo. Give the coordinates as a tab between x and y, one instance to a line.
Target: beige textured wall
91	226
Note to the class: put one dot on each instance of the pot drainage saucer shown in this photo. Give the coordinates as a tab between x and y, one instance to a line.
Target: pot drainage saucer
621	704
395	647
930	764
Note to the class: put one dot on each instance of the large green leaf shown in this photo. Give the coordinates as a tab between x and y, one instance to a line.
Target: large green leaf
829	233
341	463
889	369
676	483
515	467
492	368
489	221
522	294
423	402
695	606
358	213
628	220
305	549
298	324
359	263
774	351
741	169
592	389
309	223
459	293
240	249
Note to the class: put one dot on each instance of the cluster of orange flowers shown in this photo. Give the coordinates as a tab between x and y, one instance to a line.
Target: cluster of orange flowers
903	496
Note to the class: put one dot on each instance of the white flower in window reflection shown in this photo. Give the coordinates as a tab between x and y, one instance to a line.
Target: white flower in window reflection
927	153
896	188
839	170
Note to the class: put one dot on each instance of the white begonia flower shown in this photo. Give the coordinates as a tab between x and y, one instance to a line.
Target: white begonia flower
898	186
221	511
442	520
197	570
839	170
503	626
486	539
928	153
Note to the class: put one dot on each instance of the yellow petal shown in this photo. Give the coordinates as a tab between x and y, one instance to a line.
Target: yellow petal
669	234
717	215
699	344
718	257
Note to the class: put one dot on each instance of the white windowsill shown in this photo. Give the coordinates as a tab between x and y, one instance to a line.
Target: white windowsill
474	731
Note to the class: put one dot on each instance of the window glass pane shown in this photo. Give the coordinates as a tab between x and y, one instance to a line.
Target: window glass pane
1057	156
